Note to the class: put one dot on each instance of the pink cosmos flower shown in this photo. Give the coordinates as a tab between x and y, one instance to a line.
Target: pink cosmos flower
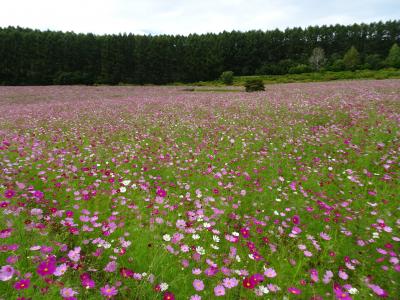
60	270
12	259
378	290
108	291
5	233
230	282
343	275
111	267
74	255
195	297
324	236
340	294
126	273
219	290
270	273
198	285
314	275
327	277
67	293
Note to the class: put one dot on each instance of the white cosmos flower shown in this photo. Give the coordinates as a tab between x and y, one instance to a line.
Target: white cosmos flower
195	236
235	233
206	225
126	182
216	238
166	237
122	189
263	289
164	286
214	247
200	250
353	291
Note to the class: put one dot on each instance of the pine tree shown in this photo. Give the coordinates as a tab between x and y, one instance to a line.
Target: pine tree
351	59
393	59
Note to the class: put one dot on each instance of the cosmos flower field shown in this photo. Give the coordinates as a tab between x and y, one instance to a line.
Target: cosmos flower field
162	193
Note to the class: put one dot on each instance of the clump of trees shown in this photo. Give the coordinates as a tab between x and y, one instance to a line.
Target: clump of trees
254	85
227	77
46	57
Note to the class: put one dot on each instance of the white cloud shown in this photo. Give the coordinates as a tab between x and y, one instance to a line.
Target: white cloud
183	17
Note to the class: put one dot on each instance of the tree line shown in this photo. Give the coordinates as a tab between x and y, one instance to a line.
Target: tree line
32	57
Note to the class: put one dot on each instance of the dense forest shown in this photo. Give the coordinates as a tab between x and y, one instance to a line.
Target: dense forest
31	57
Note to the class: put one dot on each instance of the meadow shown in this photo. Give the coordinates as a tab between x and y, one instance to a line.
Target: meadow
131	192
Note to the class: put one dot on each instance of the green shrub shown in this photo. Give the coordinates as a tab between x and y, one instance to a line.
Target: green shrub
299	69
227	77
337	65
253	85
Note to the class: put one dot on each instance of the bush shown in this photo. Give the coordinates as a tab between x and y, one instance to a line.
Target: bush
227	77
299	69
338	65
253	85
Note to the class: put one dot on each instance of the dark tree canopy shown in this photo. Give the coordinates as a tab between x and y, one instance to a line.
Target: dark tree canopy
29	57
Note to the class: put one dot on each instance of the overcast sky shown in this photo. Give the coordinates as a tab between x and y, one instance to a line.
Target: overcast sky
190	16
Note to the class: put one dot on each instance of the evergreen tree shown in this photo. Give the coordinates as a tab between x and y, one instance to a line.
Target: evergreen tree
351	59
393	59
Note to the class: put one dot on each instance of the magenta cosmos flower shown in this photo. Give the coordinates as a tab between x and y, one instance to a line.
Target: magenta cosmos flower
9	194
47	267
87	281
249	283
162	193
108	291
294	291
168	296
296	219
22	284
245	233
